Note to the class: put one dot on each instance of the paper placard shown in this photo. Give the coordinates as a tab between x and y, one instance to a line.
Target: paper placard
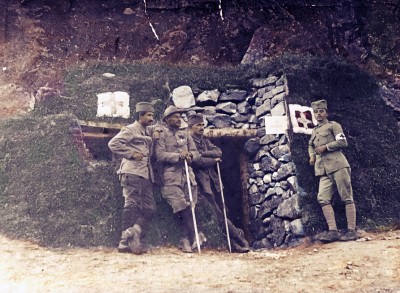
113	104
275	124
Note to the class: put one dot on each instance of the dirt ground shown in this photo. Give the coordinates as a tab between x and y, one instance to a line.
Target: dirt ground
372	264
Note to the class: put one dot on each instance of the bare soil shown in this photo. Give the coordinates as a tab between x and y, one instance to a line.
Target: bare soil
371	264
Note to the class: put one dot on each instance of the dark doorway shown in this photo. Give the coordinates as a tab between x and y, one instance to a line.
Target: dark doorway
231	179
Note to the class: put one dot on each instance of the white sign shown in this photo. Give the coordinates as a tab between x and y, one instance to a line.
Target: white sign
276	124
114	104
302	118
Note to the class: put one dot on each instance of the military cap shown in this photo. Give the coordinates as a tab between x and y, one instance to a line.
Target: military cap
171	110
195	119
144	107
321	104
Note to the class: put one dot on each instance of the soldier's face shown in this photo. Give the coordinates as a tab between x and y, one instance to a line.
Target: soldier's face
198	129
174	120
146	119
320	114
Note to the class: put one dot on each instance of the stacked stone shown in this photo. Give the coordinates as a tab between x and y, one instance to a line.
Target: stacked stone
274	204
275	213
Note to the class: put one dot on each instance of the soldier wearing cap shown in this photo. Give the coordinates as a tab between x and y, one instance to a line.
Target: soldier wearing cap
325	151
134	144
208	180
172	149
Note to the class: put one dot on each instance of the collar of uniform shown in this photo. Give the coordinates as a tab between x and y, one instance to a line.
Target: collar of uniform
140	127
322	123
197	138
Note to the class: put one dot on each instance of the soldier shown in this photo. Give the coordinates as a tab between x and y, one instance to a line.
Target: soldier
208	180
134	144
325	150
172	149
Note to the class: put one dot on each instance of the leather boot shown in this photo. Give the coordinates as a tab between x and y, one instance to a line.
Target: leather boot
237	248
123	246
134	243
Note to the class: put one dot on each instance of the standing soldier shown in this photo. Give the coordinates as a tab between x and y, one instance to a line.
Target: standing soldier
208	180
172	149
325	150
134	143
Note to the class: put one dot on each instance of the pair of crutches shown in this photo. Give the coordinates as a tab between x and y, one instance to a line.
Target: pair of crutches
192	206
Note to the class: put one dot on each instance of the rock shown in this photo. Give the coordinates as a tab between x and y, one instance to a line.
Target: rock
183	97
252	145
278	110
267	178
280	151
268	139
267	96
294	185
233	95
278	234
264	151
289	208
209	111
208	97
281	81
277	99
269	163
262	244
253	189
243	107
297	227
253	212
256	198
284	171
239	118
278	90
264	108
220	120
253	119
228	108
261	82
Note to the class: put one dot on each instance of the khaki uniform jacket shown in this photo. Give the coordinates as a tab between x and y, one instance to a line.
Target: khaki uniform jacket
328	133
204	166
168	149
133	138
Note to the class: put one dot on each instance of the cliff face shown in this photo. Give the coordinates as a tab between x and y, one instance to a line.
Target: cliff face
41	39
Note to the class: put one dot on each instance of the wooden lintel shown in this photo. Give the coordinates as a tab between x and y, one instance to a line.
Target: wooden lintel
96	124
210	133
230	132
97	135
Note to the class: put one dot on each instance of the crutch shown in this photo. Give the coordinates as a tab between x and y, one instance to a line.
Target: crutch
224	209
192	207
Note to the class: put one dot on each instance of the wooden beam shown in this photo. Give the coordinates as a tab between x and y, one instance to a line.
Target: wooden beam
96	124
230	132
210	133
97	135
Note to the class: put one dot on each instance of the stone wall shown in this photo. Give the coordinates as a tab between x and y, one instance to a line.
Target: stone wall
275	215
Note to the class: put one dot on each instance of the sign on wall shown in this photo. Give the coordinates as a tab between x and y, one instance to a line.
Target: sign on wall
302	118
113	104
276	124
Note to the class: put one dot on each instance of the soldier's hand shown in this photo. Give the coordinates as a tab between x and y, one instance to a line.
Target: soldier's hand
156	134
319	150
185	155
137	156
218	160
312	160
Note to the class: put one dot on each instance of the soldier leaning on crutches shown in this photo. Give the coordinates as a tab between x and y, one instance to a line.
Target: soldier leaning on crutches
173	149
209	181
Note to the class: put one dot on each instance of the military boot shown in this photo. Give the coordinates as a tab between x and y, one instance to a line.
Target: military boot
330	236
349	236
134	239
237	248
202	240
123	246
184	244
